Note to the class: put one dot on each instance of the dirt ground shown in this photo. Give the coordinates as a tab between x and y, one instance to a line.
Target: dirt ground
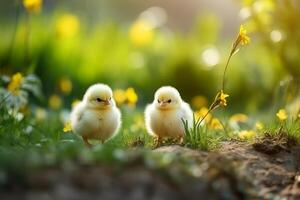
272	174
236	171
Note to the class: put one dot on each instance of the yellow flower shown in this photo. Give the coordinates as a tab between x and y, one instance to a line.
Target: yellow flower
201	113
222	99
131	96
141	32
32	5
67	26
67	127
242	37
259	125
199	101
65	85
55	102
120	96
246	134
15	83
282	115
216	124
239	118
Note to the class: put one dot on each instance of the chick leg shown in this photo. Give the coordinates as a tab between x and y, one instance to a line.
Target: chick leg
179	139
86	142
158	141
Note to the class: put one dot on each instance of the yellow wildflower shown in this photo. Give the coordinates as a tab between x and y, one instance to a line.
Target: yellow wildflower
55	102
131	96
222	98
239	118
120	96
282	115
242	37
246	134
216	124
65	85
15	83
201	113
141	32
199	101
67	127
67	26
32	5
259	125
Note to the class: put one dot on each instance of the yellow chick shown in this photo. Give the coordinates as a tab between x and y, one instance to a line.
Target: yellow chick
164	116
96	116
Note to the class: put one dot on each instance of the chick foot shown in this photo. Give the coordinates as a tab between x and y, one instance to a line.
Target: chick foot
158	141
86	142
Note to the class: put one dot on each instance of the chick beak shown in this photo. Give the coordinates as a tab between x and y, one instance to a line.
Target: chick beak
162	103
107	102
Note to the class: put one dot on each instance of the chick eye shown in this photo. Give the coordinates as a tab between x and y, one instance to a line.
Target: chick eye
169	101
109	98
99	100
158	100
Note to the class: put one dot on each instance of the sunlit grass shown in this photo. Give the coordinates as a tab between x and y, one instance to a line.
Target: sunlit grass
200	136
289	129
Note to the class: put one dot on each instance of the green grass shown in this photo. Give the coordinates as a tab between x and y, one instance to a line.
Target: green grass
200	136
30	143
35	143
289	129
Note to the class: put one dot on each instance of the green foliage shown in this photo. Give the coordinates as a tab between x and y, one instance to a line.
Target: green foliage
289	129
104	52
199	136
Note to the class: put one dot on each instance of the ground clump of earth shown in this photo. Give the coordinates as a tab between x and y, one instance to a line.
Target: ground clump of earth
236	170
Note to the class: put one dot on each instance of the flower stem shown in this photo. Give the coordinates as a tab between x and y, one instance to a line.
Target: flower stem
224	73
26	39
211	108
14	32
233	50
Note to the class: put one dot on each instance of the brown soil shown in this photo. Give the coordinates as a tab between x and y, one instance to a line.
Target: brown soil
236	171
273	170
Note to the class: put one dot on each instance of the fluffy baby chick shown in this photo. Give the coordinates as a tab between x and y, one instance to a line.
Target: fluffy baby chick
96	116
164	116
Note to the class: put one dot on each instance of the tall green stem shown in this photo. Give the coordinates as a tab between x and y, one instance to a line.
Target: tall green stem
232	52
224	73
26	40
211	108
14	33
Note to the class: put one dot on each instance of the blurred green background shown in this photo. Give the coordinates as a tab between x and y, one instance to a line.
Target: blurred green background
70	44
